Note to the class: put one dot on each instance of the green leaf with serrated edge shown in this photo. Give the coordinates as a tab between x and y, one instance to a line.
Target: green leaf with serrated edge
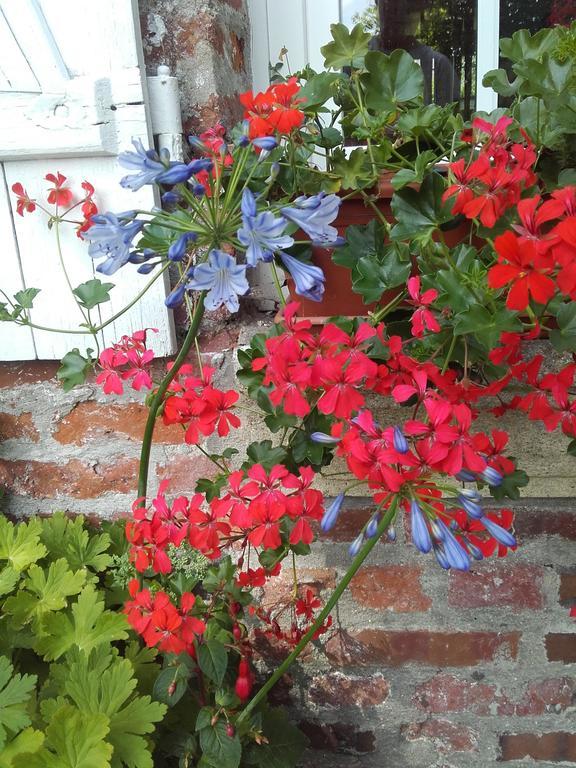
213	660
44	591
510	485
9	577
564	339
26	298
73	740
20	544
285	742
15	692
86	625
354	170
391	80
347	48
486	325
70	538
420	212
102	684
93	292
144	663
263	453
74	369
218	748
416	174
26	743
317	90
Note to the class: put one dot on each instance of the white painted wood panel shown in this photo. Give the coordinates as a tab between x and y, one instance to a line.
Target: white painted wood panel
260	45
16	72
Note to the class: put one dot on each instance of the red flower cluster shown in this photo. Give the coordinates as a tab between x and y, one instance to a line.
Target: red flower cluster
126	360
302	615
200	407
491	180
60	196
88	208
161	624
274	110
212	144
257	508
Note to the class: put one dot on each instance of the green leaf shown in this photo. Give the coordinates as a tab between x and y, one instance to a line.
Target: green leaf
9	577
93	292
522	45
103	684
373	277
74	368
73	740
392	80
285	742
263	453
347	48
44	591
318	89
509	488
26	743
564	339
213	660
15	692
416	174
69	538
497	79
26	298
354	170
86	625
486	325
571	448
420	212
219	749
20	544
171	684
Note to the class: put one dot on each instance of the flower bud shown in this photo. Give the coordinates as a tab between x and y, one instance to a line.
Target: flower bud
491	476
400	442
501	535
473	509
420	532
356	545
323	438
331	514
230	731
465	476
441	557
372	527
392	534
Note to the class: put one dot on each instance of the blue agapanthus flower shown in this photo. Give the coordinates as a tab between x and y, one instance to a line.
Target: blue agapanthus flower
224	280
261	234
420	533
331	514
154	168
308	279
315	215
111	237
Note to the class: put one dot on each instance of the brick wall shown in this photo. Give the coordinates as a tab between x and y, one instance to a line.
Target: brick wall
423	668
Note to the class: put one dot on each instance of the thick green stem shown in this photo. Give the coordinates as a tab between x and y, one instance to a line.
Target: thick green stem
334	597
158	398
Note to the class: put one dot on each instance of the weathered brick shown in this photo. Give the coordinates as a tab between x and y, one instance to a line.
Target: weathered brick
561	646
530	523
337	737
351	520
394	588
89	421
450	649
278	590
567	591
338	690
554	695
448	693
554	747
33	372
498	585
17	427
183	472
446	736
46	479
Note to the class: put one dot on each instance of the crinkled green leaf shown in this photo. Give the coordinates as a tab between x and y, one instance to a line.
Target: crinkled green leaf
263	453
73	740
93	292
318	89
69	538
347	48
74	368
20	544
9	577
420	212
26	743
15	692
355	170
485	324
44	591
85	625
392	80
26	297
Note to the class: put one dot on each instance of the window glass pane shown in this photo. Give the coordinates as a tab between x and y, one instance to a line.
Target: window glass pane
440	34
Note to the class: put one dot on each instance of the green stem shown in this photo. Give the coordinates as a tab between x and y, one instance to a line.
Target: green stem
158	398
334	597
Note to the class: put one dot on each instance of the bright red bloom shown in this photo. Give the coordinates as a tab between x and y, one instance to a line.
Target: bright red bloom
529	272
422	319
127	360
274	110
58	194
23	202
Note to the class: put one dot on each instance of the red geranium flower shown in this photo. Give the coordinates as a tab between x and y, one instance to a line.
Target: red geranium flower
520	263
23	202
58	195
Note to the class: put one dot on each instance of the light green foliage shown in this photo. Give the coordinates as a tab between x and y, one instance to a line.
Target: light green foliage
20	544
347	48
69	538
15	692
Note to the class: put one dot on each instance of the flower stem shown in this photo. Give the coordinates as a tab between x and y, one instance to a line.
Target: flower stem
158	398
334	597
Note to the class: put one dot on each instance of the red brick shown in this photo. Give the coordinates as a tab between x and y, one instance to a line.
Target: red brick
447	693
39	479
337	737
15	427
90	421
554	695
446	736
351	520
530	523
394	588
567	592
219	341
191	31
499	586
561	647
183	472
278	590
15	374
554	747
337	690
450	649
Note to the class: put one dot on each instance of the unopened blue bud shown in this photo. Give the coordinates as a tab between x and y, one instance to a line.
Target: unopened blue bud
441	556
331	514
242	141
267	143
491	476
420	532
455	552
171	198
356	545
400	442
198	190
323	438
474	551
175	297
470	493
177	250
392	534
501	535
471	507
465	476
437	531
145	269
372	527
